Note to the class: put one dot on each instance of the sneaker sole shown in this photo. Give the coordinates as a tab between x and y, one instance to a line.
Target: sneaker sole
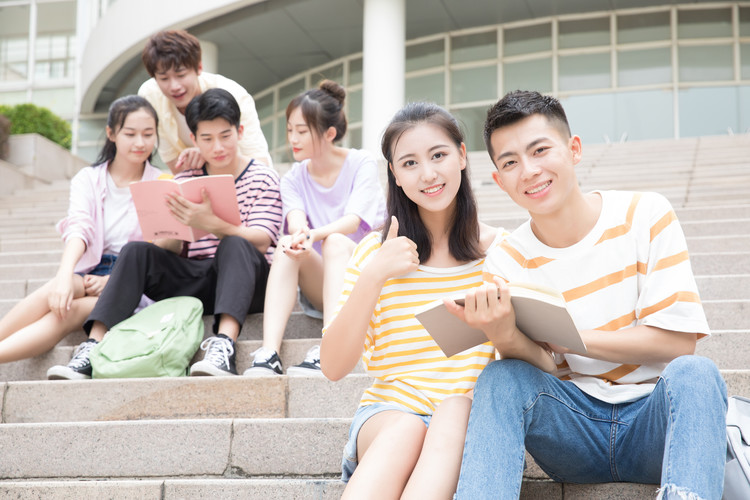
65	373
201	369
260	372
296	371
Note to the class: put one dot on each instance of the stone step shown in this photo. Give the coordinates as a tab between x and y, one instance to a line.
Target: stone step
280	489
293	350
32	257
22	243
182	398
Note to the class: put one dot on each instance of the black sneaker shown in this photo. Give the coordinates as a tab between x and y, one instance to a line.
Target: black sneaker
310	366
265	362
219	358
79	367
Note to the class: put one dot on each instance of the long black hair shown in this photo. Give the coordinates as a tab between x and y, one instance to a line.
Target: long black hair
118	112
463	241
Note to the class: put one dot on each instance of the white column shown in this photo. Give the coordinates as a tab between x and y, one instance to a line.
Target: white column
209	56
383	64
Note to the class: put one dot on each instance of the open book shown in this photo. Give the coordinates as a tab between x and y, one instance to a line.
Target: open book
540	314
158	222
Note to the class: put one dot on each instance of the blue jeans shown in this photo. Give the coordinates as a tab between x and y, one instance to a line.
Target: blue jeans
674	436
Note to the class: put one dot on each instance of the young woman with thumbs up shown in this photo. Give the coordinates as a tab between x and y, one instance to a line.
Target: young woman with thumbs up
407	436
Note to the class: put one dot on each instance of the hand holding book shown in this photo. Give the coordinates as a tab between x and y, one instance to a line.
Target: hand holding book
538	312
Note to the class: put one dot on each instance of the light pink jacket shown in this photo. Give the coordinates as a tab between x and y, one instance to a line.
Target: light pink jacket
85	219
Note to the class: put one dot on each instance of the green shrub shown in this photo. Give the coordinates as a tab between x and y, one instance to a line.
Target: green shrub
28	118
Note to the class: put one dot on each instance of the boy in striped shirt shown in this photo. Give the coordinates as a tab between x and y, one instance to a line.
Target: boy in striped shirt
227	269
638	406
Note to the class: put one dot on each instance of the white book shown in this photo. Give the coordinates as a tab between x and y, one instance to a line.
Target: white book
540	311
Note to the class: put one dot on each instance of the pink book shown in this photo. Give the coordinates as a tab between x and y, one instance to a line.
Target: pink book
158	222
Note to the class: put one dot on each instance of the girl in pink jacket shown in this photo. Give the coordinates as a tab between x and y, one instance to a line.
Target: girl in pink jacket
101	219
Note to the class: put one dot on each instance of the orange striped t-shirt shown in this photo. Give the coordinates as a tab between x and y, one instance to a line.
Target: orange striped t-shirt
409	368
631	269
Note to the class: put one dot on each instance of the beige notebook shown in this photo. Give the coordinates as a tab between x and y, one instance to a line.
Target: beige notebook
540	314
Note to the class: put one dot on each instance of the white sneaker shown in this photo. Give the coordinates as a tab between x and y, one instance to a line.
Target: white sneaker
266	362
310	366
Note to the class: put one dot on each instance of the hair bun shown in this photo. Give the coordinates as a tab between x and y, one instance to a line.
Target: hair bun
334	90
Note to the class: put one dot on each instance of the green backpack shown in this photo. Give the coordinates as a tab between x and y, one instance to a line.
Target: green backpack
158	341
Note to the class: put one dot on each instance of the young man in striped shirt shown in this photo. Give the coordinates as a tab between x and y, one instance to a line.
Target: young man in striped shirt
227	269
638	406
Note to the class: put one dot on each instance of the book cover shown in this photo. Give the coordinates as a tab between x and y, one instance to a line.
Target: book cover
158	222
540	314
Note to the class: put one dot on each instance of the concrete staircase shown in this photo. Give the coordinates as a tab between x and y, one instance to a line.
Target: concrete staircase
282	437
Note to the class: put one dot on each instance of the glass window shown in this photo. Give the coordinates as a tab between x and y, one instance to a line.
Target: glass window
280	131
267	129
355	137
88	153
744	21
289	92
14	43
426	88
592	117
723	115
704	23
643	27
59	101
586	71
354	112
13	98
355	71
528	39
745	61
643	67
583	33
471	121
55	43
474	47
425	55
529	75
743	106
710	63
91	129
264	106
475	84
644	115
335	73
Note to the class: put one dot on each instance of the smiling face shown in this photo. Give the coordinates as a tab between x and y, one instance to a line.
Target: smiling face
427	166
180	85
136	139
536	164
218	143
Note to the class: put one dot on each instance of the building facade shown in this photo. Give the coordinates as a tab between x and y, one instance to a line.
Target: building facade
643	70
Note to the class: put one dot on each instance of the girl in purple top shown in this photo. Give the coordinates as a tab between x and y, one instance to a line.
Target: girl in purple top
101	219
331	198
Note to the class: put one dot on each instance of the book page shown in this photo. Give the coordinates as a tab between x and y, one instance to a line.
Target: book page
154	216
158	222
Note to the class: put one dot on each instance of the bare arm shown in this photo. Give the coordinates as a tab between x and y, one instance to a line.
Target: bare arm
342	343
61	297
636	345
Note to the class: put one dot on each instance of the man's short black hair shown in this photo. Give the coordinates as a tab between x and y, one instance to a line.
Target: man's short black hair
210	105
520	104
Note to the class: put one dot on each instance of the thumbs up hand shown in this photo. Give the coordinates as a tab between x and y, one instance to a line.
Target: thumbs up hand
398	254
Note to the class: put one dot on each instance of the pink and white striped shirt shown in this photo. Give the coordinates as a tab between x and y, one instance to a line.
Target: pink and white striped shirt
259	199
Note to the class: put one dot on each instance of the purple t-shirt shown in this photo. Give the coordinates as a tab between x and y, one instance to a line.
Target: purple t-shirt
356	191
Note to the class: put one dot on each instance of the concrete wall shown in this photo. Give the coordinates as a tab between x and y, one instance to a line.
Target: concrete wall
35	159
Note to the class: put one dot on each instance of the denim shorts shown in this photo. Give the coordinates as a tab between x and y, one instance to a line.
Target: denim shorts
307	308
363	413
104	267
